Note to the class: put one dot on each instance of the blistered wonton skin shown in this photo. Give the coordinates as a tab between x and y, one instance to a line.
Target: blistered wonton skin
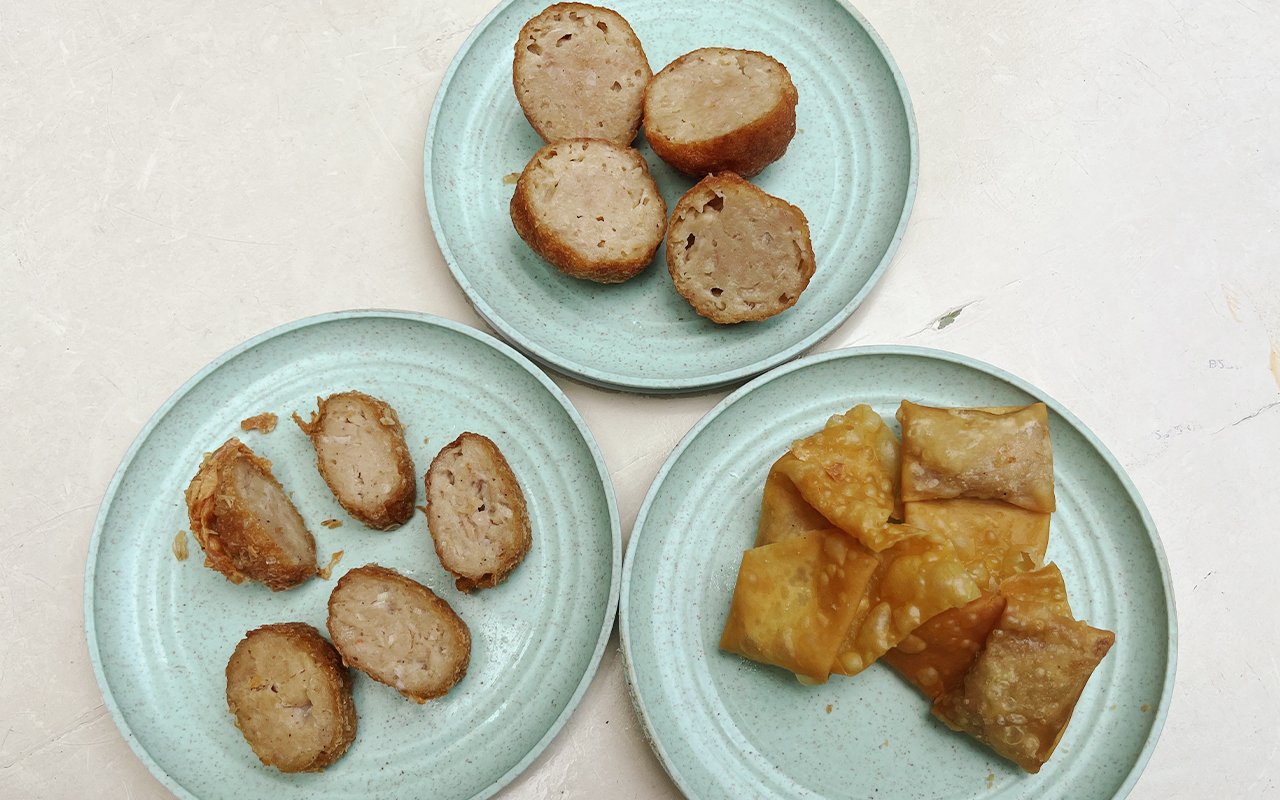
917	579
1019	695
1044	585
993	539
848	472
937	655
969	452
784	514
794	602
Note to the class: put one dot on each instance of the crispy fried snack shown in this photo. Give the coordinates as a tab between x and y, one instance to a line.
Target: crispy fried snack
1019	695
917	579
291	697
993	539
783	512
848	472
969	452
398	632
362	455
476	512
795	600
245	522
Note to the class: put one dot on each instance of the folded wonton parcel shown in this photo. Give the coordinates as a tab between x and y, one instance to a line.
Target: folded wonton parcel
1019	695
997	454
848	472
795	601
784	514
917	579
994	540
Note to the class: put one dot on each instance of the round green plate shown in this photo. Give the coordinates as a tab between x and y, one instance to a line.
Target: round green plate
160	630
851	168
727	727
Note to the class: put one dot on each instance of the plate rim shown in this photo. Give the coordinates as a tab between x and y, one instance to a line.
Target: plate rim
617	381
1149	527
104	507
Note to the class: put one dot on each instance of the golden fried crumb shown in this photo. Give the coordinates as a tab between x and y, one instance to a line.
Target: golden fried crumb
332	523
265	422
327	570
180	546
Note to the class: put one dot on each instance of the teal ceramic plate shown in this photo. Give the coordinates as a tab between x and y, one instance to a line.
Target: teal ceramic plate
726	727
160	630
851	168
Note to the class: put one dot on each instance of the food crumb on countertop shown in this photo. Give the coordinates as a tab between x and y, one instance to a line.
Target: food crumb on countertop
332	523
180	546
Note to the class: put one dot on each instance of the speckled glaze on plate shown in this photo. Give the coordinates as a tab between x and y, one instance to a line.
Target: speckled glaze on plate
851	168
160	631
727	727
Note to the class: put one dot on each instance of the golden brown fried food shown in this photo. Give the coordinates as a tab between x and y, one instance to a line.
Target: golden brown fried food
476	512
398	632
291	697
245	522
972	452
719	109
362	455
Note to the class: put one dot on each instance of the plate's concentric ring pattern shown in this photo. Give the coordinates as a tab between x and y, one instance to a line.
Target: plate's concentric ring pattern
160	630
851	168
726	727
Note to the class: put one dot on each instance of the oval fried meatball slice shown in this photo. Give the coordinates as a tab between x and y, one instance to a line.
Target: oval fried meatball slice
476	512
579	70
291	697
719	109
737	253
398	632
362	455
245	522
591	209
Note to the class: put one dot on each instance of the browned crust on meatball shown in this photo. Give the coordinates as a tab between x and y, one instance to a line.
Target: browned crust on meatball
520	74
439	605
336	678
746	150
441	531
727	183
396	509
234	540
547	243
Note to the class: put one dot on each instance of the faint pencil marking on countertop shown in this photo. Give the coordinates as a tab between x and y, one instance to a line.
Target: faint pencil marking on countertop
1202	580
1248	417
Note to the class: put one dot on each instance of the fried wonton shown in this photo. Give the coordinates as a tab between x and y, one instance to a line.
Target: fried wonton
937	655
1019	695
795	600
917	579
848	471
993	539
970	452
784	514
1044	585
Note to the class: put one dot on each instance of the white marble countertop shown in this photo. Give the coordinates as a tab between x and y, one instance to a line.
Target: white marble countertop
1099	194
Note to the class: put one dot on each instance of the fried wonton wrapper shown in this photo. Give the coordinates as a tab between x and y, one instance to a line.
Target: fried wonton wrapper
994	540
937	655
795	600
917	579
1019	695
970	452
783	512
848	472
